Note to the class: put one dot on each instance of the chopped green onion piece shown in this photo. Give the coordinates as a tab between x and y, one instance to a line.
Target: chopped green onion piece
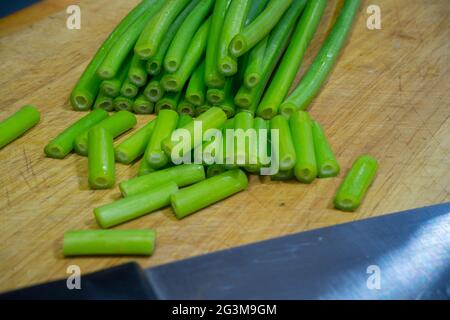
301	129
355	184
64	143
117	124
183	175
102	172
135	206
327	166
166	123
285	148
207	192
16	125
109	242
134	146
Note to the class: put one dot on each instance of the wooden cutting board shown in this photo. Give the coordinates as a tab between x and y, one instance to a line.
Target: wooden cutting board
388	96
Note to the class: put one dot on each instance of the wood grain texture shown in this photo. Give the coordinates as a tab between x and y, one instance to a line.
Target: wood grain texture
388	96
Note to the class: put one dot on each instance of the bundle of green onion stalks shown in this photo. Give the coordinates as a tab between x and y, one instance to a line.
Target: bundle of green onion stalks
222	64
189	55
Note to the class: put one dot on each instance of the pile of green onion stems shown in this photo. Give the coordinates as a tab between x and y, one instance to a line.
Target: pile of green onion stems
227	64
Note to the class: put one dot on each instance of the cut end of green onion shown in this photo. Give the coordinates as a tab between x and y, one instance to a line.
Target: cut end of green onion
153	68
144	109
238	46
171	65
144	53
345	204
106	105
100	183
170	83
109	91
195	99
137	80
287	109
288	163
242	101
105	73
122	105
305	175
81	102
214	98
267	114
252	80
186	110
122	157
328	170
228	68
214	82
54	151
229	111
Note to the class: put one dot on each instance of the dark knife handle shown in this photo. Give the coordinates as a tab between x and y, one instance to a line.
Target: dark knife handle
126	281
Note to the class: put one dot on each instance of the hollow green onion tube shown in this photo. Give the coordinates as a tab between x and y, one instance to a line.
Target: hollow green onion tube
104	102
154	90
227	104
285	149
292	59
183	175
322	65
128	89
213	78
102	172
205	193
168	102
355	184
135	206
86	89
242	121
64	143
122	103
180	44
142	105
124	45
183	120
224	156
283	175
185	107
249	36
155	30
166	123
196	89
301	128
214	170
109	242
112	86
117	124
232	25
134	146
327	165
137	74
255	64
214	117
276	44
261	150
215	96
144	168
176	81
202	109
154	64
17	124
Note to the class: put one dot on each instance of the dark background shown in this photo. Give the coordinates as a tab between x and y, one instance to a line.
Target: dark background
9	6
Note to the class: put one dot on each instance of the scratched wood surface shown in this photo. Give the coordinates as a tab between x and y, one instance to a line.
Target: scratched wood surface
388	96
